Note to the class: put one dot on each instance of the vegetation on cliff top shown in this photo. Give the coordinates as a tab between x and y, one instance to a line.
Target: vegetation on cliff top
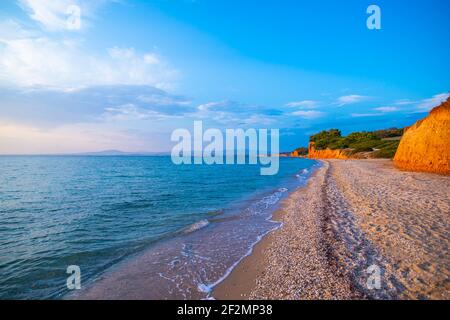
382	143
302	151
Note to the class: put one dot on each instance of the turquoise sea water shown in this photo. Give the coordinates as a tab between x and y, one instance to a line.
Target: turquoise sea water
94	212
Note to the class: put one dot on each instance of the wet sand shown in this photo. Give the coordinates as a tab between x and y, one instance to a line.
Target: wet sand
354	218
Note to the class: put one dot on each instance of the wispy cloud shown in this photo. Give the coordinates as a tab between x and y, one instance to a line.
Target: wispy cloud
307	104
54	15
49	107
64	64
428	104
11	29
228	112
365	115
33	57
403	102
158	99
387	109
238	107
132	112
308	114
350	99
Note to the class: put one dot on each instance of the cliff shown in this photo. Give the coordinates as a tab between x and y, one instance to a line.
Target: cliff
326	154
425	146
300	152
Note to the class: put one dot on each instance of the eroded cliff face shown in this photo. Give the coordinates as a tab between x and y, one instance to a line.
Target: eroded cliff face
425	146
326	154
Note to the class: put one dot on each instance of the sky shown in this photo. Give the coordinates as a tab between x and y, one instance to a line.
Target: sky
127	73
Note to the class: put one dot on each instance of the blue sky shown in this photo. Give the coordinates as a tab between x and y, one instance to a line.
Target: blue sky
135	70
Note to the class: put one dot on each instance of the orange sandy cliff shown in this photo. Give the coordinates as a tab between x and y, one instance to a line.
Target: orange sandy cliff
425	146
325	154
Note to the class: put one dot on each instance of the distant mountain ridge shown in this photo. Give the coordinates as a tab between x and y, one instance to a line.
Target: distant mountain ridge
119	153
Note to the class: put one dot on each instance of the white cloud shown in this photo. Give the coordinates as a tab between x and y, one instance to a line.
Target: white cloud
164	100
236	113
308	114
364	115
60	15
11	29
307	104
428	104
211	105
258	120
132	112
403	102
350	99
387	109
50	108
50	14
126	112
228	106
31	57
41	61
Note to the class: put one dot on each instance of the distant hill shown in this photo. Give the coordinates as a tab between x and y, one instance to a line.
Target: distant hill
120	153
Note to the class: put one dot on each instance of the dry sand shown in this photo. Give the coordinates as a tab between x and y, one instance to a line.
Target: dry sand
352	215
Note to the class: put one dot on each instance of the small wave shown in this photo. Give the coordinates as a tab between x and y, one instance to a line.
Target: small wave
208	288
273	198
261	206
196	226
302	173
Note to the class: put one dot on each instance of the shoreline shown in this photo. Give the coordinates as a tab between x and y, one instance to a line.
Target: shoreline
241	281
238	284
352	214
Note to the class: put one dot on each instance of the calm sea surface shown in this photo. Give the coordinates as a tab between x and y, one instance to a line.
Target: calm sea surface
98	212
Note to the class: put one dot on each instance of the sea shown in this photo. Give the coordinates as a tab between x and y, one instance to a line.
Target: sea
171	231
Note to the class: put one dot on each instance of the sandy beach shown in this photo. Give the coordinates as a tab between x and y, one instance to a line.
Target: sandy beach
352	217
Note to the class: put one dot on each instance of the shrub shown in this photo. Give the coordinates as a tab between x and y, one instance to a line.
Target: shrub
388	150
389	133
302	151
324	138
359	141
